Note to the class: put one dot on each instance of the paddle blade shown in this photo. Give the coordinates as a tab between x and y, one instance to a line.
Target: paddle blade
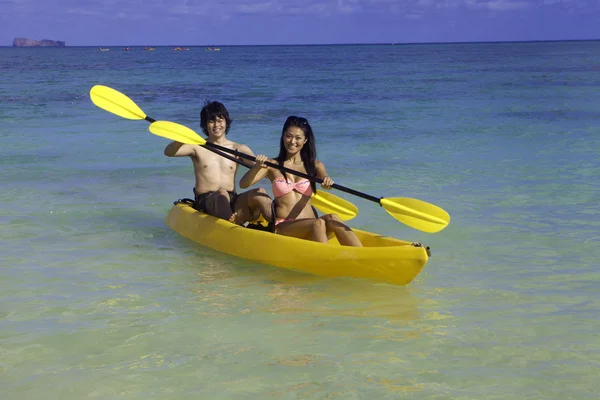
416	213
115	102
331	204
176	132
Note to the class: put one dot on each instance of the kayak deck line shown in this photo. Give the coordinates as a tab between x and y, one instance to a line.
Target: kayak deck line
382	259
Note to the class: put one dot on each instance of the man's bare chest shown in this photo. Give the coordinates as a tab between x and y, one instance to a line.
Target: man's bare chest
213	163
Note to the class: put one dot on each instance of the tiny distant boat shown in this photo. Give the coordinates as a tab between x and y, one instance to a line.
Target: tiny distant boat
212	48
180	48
101	49
127	49
149	48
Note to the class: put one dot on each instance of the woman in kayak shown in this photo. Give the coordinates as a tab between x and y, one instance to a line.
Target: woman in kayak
294	214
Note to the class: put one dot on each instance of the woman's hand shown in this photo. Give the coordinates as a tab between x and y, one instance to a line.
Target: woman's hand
261	160
327	183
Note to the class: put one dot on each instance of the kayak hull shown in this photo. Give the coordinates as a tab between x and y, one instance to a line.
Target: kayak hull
382	259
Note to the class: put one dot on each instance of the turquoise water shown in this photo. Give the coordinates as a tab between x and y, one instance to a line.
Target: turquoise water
98	298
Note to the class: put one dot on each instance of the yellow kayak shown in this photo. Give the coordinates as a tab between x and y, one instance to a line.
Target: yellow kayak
382	259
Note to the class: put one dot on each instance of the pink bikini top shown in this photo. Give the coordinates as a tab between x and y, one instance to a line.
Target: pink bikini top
281	187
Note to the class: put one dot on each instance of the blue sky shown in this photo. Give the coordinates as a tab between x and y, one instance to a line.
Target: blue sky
246	22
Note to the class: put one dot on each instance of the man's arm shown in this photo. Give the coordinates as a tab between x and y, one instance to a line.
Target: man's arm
176	149
242	148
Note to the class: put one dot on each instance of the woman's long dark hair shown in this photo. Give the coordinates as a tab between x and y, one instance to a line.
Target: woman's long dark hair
309	150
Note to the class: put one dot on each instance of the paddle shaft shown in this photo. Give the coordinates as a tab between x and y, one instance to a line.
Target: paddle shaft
209	145
237	160
214	150
228	156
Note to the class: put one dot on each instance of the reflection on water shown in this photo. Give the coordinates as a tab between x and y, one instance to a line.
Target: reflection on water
291	292
343	331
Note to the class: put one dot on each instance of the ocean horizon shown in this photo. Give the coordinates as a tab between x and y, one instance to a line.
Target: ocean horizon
332	44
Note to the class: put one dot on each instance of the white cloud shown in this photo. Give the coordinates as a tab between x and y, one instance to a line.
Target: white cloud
497	5
571	5
268	7
567	2
223	9
130	17
83	11
281	7
348	6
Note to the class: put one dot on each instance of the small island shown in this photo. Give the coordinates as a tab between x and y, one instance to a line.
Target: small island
24	42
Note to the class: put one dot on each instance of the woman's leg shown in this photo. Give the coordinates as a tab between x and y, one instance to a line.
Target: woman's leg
249	204
308	228
258	199
344	234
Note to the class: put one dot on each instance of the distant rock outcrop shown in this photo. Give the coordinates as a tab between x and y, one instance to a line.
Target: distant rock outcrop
24	42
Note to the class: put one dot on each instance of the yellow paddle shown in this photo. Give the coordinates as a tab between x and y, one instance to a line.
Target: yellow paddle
415	213
117	103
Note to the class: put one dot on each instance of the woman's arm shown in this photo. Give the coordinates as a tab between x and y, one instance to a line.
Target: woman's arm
322	173
258	171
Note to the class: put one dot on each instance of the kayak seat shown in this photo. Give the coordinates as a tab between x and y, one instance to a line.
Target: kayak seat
184	201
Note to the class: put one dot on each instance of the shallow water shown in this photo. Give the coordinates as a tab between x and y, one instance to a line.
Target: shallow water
100	299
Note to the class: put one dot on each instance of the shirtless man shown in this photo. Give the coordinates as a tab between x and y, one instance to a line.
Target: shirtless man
214	191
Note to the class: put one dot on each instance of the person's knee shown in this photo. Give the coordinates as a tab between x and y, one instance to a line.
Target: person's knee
259	198
332	220
319	224
331	217
334	223
259	194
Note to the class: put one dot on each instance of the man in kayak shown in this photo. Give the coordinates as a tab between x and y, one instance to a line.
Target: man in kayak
214	191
